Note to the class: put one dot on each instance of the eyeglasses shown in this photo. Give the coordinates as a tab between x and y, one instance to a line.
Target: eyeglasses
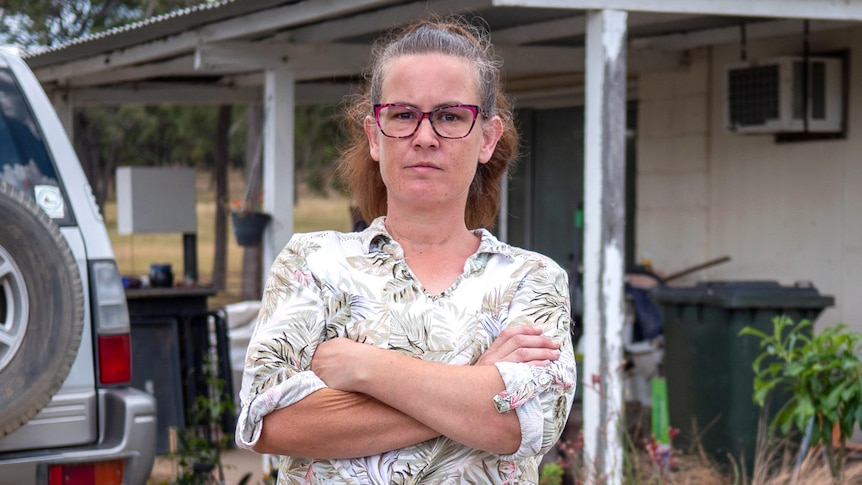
401	121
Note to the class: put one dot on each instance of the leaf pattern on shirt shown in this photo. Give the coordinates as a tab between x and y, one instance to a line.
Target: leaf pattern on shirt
376	264
399	290
326	285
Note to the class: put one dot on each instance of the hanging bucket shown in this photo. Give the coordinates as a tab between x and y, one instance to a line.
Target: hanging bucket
248	227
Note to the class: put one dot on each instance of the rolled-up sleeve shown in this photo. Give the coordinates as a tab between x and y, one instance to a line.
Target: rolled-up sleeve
542	396
278	360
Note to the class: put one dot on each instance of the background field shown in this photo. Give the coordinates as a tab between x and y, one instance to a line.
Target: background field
135	252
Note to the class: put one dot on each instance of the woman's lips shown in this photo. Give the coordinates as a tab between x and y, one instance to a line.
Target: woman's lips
424	166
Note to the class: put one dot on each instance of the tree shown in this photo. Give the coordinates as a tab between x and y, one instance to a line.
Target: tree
222	130
47	23
317	138
252	264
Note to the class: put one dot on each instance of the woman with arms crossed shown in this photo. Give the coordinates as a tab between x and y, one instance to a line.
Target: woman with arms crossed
422	349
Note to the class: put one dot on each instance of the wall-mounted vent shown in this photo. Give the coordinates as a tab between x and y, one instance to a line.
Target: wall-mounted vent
769	96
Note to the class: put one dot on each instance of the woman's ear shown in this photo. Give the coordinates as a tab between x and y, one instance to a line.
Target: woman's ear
372	133
492	130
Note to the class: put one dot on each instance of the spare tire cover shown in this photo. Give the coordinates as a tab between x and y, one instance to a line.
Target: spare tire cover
41	308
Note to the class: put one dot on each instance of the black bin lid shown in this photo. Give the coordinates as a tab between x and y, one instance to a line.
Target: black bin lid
744	294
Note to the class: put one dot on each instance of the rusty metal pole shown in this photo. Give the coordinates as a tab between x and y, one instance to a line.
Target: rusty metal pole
604	240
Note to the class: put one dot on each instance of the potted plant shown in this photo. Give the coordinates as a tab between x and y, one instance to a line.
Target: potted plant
249	221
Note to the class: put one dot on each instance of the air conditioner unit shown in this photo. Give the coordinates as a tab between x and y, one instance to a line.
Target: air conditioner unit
769	96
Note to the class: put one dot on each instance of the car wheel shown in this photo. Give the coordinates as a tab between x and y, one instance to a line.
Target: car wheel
41	308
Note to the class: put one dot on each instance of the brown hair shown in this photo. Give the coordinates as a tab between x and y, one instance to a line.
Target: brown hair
454	37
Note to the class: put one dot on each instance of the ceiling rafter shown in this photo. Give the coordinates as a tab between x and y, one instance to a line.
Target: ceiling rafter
338	59
152	93
726	35
801	9
571	26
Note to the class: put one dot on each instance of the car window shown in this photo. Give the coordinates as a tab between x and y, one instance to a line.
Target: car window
24	159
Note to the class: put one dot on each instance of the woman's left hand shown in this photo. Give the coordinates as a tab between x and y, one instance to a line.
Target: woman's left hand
523	343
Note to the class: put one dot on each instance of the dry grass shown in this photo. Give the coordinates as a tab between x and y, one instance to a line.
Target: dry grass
695	470
812	471
776	464
135	252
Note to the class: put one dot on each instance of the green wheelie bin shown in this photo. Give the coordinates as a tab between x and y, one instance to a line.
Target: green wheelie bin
708	366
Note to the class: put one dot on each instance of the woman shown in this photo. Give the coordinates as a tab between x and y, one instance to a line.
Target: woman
420	350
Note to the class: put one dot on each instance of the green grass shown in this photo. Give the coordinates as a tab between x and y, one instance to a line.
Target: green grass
135	252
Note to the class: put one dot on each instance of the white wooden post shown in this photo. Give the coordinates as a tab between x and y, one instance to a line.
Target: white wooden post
278	184
604	238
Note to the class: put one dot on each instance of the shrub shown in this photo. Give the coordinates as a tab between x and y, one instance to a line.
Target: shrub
823	373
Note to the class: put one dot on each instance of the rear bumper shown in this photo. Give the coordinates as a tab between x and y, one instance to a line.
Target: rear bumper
127	431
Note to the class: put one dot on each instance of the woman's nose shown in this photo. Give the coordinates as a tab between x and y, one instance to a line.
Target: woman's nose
425	133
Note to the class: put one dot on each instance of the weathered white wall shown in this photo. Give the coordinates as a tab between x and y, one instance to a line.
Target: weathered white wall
673	167
787	212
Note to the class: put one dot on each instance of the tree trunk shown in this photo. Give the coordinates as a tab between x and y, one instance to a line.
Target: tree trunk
219	276
252	270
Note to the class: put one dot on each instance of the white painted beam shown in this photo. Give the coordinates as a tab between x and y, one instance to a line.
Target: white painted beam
728	35
569	26
179	66
536	61
604	245
185	94
165	93
332	59
519	60
799	9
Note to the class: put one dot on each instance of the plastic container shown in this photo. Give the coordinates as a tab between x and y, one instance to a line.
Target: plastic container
161	275
709	366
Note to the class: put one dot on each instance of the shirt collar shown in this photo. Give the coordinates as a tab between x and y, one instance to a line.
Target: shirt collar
377	238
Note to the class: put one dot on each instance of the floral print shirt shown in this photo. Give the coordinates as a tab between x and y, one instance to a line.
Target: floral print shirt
357	285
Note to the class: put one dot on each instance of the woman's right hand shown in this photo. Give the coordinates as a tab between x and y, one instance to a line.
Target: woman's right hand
522	344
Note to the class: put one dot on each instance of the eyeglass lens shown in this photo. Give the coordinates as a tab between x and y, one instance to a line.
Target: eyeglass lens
448	121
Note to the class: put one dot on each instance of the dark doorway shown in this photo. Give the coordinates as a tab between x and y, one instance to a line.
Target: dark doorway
546	189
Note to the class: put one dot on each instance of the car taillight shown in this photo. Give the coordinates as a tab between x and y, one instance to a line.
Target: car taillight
111	321
93	473
115	357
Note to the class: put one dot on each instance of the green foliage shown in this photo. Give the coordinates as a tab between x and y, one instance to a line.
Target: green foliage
551	474
201	443
155	135
823	373
45	23
317	136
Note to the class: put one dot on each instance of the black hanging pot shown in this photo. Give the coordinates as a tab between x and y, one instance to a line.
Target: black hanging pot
248	227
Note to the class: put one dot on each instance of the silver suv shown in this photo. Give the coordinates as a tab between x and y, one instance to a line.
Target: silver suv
67	412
